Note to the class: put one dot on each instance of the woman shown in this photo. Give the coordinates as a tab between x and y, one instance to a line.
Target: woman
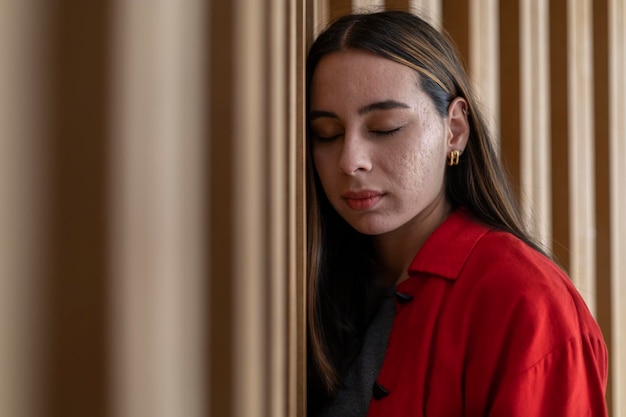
427	296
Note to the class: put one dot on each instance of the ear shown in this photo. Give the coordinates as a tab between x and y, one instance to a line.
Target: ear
457	126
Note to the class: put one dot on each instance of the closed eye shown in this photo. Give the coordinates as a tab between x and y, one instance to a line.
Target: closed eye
390	132
320	138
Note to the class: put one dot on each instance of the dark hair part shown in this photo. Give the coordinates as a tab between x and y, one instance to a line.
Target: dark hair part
342	283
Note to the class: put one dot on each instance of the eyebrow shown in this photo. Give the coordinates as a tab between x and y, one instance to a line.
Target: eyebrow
379	105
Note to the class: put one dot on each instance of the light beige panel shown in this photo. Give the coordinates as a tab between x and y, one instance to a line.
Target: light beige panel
483	44
535	121
157	210
581	154
368	5
320	15
278	208
250	211
617	146
484	56
22	189
428	9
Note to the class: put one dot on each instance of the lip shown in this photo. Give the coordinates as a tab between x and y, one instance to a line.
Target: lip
363	199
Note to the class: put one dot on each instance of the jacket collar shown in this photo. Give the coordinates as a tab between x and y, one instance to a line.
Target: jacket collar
447	249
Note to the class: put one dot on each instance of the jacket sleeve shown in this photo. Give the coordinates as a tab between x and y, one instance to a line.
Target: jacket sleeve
569	381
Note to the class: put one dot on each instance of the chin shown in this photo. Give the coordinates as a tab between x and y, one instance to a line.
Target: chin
367	228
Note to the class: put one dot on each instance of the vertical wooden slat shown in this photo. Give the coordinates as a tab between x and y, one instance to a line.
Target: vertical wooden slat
580	108
559	132
430	10
319	13
157	184
535	123
277	173
76	380
23	150
221	219
602	174
435	12
368	5
338	8
510	95
250	209
398	5
299	35
455	15
484	61
617	150
287	214
297	166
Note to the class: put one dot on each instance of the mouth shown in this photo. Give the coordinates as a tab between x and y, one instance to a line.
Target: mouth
362	200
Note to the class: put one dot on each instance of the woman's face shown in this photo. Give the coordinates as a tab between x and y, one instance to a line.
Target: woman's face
379	146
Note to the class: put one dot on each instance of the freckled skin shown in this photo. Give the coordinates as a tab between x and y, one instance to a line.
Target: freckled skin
407	167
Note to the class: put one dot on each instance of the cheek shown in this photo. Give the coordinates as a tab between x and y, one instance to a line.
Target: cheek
421	167
323	164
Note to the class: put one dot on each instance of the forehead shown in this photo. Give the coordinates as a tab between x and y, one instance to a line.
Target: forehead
361	77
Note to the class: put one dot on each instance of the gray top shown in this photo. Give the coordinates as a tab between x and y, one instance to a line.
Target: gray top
354	397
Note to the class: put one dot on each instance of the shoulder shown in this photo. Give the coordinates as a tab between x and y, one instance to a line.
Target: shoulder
499	286
501	261
509	318
518	298
492	263
501	265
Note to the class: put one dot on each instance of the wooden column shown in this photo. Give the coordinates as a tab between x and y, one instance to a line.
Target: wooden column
559	132
76	299
484	59
23	204
617	150
431	10
157	188
337	8
580	152
535	121
398	5
510	88
602	174
368	5
300	36
256	201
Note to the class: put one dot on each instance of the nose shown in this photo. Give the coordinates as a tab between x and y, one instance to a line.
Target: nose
354	156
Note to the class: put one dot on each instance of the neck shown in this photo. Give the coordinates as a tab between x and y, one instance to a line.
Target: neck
395	250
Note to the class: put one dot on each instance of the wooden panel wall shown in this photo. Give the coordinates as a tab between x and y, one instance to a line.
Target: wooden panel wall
152	212
255	227
551	76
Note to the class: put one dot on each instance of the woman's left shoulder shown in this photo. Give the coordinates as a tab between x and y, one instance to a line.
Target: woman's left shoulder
503	276
506	260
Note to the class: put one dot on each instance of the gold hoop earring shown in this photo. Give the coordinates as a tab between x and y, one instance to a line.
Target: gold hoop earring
454	157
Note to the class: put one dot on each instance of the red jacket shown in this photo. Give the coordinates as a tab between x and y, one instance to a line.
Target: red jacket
486	326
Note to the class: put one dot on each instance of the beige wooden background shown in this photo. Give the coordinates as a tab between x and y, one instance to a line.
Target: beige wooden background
151	188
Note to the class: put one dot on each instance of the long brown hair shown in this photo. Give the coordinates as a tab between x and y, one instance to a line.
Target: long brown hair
342	281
